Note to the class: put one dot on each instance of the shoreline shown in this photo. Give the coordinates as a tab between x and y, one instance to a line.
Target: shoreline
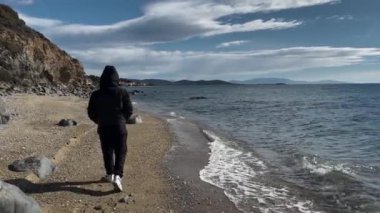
159	176
187	157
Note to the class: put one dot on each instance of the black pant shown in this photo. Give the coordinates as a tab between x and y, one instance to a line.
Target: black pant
113	142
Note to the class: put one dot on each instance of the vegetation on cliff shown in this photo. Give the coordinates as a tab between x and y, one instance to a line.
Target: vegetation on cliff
29	58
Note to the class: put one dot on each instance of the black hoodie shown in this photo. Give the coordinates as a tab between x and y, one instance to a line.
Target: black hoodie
110	105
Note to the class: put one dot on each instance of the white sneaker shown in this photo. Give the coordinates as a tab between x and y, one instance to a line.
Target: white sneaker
117	183
108	178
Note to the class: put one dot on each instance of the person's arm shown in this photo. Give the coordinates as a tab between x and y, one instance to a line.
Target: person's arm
92	108
127	105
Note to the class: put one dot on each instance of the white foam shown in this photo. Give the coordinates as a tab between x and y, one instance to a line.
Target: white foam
134	103
170	120
175	115
316	167
239	173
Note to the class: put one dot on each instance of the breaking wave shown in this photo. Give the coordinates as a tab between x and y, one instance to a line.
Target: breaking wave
242	177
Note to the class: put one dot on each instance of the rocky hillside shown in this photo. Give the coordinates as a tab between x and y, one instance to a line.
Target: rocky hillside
27	58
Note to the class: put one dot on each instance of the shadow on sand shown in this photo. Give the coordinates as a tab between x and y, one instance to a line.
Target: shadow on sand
75	187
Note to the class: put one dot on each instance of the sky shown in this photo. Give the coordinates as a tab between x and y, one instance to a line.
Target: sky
308	40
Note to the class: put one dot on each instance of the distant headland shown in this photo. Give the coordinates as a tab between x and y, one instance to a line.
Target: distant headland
257	81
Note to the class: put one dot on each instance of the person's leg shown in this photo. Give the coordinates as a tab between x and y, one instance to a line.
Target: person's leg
120	154
107	149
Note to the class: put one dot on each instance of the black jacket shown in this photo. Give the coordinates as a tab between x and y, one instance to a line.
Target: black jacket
110	105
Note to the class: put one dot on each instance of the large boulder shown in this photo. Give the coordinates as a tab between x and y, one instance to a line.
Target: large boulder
13	200
40	165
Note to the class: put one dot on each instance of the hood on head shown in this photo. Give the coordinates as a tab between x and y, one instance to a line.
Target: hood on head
109	77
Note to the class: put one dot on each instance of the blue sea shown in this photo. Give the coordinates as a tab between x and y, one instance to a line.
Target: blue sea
285	148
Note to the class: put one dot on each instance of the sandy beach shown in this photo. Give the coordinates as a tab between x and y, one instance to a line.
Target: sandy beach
75	187
149	182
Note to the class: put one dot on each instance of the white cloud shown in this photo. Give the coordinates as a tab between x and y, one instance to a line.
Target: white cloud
166	21
232	43
40	22
142	62
22	2
340	17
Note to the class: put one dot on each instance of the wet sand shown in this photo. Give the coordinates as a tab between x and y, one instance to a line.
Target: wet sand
155	181
189	154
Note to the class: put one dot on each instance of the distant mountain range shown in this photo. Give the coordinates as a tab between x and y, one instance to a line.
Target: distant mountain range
161	82
284	81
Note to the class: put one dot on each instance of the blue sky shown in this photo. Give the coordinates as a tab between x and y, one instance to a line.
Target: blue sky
215	39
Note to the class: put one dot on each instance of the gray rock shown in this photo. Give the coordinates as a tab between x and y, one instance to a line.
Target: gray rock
2	107
17	89
46	90
13	200
53	90
135	92
26	83
40	165
197	98
127	199
98	207
134	119
4	117
67	122
59	93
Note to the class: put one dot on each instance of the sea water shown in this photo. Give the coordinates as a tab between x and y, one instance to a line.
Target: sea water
285	148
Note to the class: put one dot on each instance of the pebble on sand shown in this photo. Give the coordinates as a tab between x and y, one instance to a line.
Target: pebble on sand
67	122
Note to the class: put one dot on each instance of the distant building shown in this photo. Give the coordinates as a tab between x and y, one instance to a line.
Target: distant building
131	83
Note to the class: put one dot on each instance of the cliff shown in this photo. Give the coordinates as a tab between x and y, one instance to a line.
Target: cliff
29	58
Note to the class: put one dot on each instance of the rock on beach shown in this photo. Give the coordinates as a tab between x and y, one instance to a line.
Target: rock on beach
4	117
40	165
134	119
13	200
67	122
197	98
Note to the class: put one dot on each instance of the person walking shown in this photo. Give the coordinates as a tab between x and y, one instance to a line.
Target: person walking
110	107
